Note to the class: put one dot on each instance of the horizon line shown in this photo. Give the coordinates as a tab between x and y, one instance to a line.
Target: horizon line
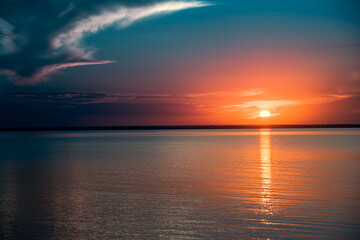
176	127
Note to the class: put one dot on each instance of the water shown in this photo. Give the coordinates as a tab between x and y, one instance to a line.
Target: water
204	184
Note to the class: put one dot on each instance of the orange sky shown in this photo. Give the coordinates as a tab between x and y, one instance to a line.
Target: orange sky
297	87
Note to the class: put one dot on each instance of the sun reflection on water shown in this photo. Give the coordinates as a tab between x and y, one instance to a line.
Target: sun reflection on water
265	172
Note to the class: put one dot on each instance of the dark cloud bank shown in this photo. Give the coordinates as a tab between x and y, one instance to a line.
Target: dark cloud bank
39	38
57	109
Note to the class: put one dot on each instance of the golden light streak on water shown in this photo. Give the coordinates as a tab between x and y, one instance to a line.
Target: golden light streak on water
265	172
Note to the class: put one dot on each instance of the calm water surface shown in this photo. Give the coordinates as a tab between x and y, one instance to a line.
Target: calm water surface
204	184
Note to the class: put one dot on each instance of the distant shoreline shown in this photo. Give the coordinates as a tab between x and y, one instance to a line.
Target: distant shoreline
176	127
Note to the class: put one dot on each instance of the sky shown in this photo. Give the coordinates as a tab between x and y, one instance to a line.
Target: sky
185	62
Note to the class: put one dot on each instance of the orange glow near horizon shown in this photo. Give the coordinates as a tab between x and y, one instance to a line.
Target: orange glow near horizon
277	86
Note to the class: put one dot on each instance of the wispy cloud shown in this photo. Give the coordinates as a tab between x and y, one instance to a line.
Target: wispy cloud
251	92
355	76
243	93
270	104
123	16
87	97
67	10
7	44
273	104
43	73
8	35
61	47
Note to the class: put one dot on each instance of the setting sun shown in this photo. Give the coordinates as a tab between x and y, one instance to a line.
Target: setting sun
265	113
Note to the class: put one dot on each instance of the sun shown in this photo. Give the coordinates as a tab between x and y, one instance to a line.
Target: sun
265	113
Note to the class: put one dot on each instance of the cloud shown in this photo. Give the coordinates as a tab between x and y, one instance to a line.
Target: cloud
355	76
252	92
8	35
43	73
67	10
270	104
82	108
273	104
58	44
86	97
7	45
122	16
244	93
